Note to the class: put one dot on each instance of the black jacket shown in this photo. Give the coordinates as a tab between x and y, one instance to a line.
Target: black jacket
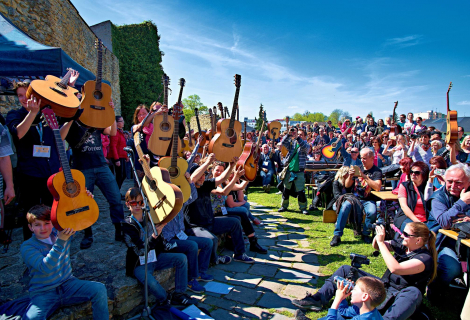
411	200
337	192
135	245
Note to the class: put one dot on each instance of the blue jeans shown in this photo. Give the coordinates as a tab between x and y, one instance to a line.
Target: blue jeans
164	261
104	179
370	209
72	291
448	266
204	233
196	263
233	227
267	176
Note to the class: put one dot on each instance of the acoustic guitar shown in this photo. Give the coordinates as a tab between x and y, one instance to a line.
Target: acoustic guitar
284	150
165	199
200	132
244	140
72	207
221	109
452	133
56	93
395	129
163	126
177	166
331	149
210	132
96	95
250	158
225	143
274	130
227	114
187	145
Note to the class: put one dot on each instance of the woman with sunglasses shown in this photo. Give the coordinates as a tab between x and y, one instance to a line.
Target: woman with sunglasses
411	196
412	266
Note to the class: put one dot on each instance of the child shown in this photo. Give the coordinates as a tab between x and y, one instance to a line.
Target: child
52	285
134	237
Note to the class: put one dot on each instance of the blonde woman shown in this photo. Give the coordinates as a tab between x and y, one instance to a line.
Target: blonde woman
338	186
436	145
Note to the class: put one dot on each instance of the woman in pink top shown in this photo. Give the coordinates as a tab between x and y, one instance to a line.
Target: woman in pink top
411	196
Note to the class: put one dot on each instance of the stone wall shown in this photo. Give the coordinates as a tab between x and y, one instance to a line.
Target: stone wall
57	23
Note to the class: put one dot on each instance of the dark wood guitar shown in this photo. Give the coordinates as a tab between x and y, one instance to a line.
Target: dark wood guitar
221	109
56	93
72	207
250	158
395	129
163	126
225	144
187	144
96	96
211	131
200	132
177	166
227	114
452	134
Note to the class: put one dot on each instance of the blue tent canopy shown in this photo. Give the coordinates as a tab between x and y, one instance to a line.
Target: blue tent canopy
21	57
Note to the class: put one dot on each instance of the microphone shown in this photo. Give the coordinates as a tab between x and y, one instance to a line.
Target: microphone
128	150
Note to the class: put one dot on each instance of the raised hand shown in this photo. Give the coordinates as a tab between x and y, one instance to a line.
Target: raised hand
66	234
33	105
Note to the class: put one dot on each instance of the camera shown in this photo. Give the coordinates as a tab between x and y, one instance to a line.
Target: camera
374	225
357	260
414	136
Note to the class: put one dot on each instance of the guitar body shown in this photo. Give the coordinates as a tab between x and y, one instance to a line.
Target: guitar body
165	199
72	207
160	140
203	142
452	134
329	151
274	129
249	161
63	101
284	151
95	104
225	143
177	175
185	147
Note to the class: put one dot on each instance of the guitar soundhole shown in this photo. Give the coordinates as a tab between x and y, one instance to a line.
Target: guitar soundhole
165	126
98	95
153	185
71	189
63	86
230	132
174	172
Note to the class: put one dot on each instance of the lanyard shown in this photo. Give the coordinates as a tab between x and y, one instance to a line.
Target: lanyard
145	232
40	131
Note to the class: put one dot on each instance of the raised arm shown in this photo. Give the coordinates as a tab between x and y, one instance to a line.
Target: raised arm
224	176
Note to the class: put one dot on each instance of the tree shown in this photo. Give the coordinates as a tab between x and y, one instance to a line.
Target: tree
297	117
259	121
190	104
334	116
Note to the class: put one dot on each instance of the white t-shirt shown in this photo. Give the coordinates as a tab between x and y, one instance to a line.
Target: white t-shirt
397	155
48	240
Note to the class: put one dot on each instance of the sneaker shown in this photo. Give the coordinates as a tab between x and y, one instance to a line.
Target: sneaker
243	258
194	286
310	302
223	260
257	222
299	315
264	188
366	239
282	209
312	208
335	241
181	299
279	192
86	242
305	212
268	188
205	277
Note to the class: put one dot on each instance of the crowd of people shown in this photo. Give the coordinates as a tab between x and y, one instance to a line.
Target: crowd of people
430	177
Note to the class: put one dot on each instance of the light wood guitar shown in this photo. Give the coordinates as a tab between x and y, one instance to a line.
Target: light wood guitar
452	134
96	96
284	150
72	207
225	144
177	166
165	199
163	127
210	133
56	93
250	158
200	132
188	145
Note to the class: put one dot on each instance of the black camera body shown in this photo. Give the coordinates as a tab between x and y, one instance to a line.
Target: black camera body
357	260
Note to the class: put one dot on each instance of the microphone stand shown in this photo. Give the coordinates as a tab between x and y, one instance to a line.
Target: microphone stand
146	312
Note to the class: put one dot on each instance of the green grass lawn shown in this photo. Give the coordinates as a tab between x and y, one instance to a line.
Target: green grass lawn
331	258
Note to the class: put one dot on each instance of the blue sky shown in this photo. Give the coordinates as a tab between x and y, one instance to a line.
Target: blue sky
358	56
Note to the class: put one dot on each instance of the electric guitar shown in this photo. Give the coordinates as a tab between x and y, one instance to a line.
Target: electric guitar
72	207
331	149
200	132
250	158
165	199
96	96
452	134
163	126
56	93
225	143
177	166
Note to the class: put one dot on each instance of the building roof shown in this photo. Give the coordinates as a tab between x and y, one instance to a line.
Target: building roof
441	124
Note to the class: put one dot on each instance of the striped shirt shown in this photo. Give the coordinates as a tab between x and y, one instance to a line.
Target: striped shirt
291	145
49	265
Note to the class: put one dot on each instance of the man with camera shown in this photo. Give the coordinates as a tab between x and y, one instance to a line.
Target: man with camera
421	151
448	206
409	270
362	180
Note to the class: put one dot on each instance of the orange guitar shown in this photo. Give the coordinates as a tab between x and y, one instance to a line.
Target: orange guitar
72	207
452	134
225	144
250	158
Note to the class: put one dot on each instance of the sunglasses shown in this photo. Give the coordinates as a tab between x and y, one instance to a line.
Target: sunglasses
407	235
354	151
134	203
415	172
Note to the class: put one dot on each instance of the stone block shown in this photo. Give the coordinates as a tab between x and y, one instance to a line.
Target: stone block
263	270
220	303
290	274
297	236
274	301
244	295
271	286
245	280
221	314
300	257
253	312
234	266
311	268
297	291
220	274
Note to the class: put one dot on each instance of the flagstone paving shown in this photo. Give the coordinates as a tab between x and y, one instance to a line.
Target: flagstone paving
264	290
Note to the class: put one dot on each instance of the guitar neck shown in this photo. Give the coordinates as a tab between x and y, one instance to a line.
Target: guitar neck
189	135
198	124
261	134
174	155
144	162
99	71
235	103
63	156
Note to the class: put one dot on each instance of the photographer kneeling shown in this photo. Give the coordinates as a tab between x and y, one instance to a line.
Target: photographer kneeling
409	271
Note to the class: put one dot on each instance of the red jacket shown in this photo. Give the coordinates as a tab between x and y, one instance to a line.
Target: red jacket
117	145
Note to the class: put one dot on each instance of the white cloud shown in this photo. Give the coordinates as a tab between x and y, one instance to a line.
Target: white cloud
292	107
467	76
404	42
463	103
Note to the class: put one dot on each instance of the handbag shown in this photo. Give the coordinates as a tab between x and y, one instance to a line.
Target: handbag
283	173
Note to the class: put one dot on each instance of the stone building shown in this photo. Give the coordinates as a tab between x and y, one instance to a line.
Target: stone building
57	23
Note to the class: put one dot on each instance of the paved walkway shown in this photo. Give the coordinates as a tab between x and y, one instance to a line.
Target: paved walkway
264	290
